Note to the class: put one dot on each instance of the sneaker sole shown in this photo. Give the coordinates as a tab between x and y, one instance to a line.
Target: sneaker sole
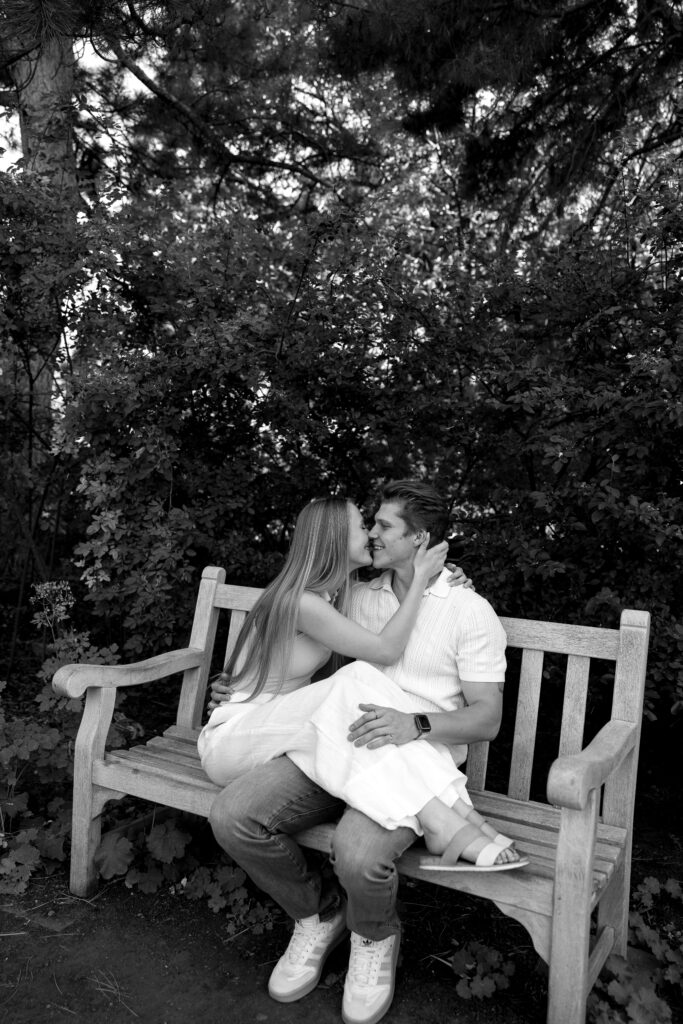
299	993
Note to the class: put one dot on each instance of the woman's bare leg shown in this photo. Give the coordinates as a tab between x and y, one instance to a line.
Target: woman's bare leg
441	822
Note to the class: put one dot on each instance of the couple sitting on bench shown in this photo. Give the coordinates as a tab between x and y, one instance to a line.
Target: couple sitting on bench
391	771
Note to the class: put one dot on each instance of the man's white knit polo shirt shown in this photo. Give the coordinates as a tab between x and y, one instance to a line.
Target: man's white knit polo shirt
457	636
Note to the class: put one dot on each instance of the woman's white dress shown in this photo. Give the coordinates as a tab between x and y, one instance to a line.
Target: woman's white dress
310	724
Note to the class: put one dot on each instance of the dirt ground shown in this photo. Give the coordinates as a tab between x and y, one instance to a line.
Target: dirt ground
123	956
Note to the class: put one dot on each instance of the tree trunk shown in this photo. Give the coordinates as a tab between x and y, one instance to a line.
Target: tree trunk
44	80
42	73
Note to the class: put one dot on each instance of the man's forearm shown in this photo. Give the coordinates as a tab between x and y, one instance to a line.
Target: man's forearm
479	720
470	724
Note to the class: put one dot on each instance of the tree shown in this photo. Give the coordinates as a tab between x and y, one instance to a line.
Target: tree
37	257
544	101
39	59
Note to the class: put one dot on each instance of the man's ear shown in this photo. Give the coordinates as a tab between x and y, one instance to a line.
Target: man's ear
419	537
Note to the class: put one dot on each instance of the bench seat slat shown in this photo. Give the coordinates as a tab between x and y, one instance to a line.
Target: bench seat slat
151	757
508	813
173	749
181	732
177	790
146	760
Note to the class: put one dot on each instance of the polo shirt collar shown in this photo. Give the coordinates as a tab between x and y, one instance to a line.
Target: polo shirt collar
439	587
382	582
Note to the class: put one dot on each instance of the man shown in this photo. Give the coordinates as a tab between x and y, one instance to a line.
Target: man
453	667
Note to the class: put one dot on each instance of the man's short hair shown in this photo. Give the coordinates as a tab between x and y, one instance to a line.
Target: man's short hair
422	508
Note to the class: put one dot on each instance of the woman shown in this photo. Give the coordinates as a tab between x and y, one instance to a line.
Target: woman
287	637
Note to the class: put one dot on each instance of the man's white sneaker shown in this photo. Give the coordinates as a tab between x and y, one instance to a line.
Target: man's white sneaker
298	970
369	986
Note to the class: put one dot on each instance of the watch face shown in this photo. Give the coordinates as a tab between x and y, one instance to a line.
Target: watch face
423	723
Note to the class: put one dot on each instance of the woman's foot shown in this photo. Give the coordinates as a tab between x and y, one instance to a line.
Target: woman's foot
473	817
449	831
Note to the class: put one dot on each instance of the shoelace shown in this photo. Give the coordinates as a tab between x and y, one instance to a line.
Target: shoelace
302	942
365	962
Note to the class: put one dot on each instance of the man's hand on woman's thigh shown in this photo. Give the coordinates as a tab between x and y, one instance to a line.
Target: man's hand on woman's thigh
378	726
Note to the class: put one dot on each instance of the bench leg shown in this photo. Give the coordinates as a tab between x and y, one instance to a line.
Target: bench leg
89	799
86	830
567	984
613	910
569	972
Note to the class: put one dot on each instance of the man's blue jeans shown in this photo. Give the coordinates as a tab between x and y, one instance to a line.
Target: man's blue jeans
254	819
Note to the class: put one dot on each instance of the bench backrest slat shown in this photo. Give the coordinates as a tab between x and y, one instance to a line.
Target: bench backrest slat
530	678
562	638
574	710
203	636
236	620
243	598
477	763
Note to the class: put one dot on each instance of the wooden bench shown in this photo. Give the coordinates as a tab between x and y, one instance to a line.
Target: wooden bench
572	898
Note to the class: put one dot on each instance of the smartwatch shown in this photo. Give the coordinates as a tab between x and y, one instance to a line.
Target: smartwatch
422	724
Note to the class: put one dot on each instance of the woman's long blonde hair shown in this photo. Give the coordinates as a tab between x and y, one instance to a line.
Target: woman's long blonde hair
318	560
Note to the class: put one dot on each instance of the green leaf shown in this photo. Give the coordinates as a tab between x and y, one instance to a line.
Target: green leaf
463	989
645	1007
167	842
114	855
674	888
483	987
217	901
51	846
230	878
199	883
148	881
14	805
26	853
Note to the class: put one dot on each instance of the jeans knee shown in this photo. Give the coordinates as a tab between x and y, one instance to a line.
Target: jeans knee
356	864
229	816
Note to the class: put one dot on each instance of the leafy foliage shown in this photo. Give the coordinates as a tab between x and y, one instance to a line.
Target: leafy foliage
647	988
33	825
252	370
36	752
174	858
482	971
547	407
543	98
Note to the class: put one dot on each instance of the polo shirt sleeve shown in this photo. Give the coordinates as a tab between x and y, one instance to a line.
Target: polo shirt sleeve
481	645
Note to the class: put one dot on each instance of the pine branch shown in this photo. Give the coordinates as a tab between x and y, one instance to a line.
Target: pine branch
204	132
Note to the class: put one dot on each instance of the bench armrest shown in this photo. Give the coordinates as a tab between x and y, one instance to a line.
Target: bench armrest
74	680
571	778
